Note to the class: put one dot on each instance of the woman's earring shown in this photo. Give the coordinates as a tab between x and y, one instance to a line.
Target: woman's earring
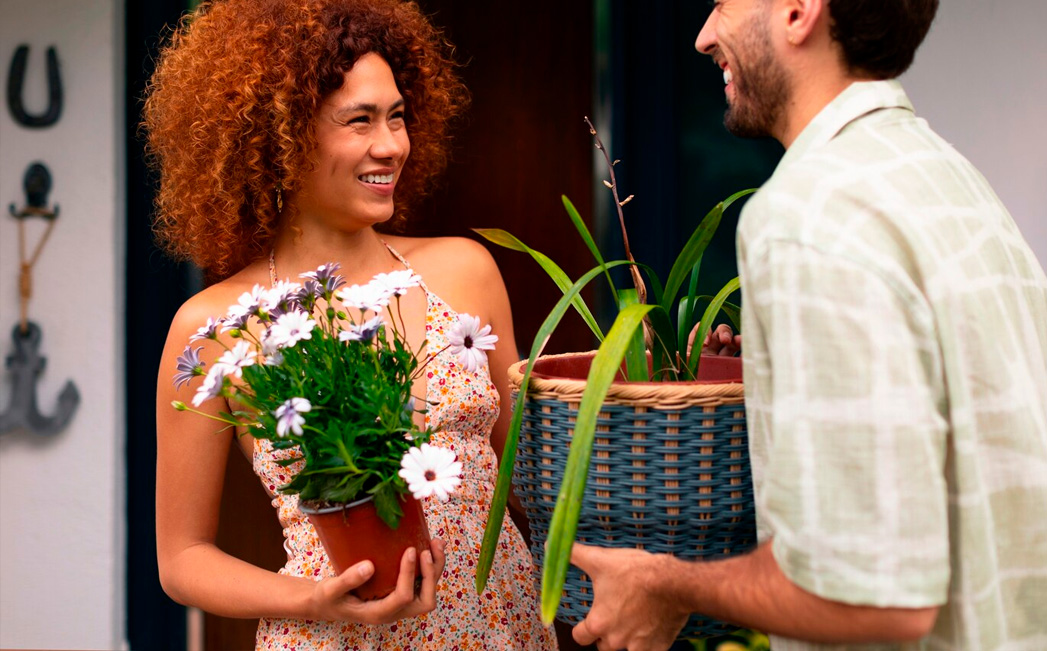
279	199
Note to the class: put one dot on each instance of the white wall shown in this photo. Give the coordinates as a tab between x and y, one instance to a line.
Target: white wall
62	521
980	79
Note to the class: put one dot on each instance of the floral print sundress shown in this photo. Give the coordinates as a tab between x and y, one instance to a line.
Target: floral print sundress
506	615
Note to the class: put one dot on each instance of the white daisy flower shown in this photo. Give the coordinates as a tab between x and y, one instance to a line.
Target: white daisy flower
468	341
325	277
289	416
233	361
271	350
431	470
236	318
282	297
363	332
373	296
207	331
291	328
398	282
211	386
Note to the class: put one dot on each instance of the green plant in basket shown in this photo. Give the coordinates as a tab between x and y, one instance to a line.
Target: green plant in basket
651	334
310	372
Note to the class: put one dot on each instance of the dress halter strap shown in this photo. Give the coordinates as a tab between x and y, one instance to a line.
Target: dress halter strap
396	254
406	264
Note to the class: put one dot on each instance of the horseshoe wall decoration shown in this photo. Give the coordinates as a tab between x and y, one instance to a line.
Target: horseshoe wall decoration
15	80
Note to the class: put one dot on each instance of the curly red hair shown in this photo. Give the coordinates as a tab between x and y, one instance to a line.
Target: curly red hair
229	112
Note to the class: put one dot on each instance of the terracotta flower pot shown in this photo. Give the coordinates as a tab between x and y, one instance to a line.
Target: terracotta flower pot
353	532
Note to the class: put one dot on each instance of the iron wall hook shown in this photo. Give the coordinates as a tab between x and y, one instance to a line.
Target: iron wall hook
37	185
15	80
26	364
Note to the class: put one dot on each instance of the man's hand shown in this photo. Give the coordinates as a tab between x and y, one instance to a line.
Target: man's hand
629	610
722	341
719	341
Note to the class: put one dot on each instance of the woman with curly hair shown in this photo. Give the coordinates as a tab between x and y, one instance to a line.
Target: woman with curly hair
285	131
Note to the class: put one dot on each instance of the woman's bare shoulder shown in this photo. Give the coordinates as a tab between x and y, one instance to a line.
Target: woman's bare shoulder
459	270
214	301
454	255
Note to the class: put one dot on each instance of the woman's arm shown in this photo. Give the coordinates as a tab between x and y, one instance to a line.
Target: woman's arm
190	468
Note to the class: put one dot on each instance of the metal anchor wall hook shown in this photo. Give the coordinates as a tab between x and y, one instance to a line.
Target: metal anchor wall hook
15	79
25	365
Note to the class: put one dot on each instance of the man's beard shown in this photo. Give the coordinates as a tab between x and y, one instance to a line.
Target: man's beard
761	87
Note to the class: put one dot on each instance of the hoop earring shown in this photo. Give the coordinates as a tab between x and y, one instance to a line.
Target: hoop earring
279	199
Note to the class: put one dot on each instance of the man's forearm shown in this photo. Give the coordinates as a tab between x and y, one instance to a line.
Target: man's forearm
752	591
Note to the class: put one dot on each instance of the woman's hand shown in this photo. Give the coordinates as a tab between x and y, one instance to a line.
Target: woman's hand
333	601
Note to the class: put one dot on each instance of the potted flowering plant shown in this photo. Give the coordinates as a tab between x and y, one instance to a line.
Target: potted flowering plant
664	418
318	371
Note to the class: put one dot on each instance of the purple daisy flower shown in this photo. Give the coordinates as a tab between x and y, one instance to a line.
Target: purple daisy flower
188	365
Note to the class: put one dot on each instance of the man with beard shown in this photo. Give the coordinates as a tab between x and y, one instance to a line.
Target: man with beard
895	366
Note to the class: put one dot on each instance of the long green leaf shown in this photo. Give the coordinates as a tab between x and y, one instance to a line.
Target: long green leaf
707	322
583	230
636	353
505	466
663	352
731	311
564	523
696	245
691	253
734	313
736	196
685	311
562	280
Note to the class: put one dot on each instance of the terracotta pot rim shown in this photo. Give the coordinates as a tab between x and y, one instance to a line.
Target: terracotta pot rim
305	508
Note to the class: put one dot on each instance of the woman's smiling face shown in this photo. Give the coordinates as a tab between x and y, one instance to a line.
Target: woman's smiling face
362	145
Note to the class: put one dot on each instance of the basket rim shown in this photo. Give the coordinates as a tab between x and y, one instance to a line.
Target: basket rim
673	394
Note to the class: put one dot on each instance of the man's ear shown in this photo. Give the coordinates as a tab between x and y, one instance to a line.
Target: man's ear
800	19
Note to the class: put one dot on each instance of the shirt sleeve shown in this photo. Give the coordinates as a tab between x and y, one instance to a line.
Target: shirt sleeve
853	488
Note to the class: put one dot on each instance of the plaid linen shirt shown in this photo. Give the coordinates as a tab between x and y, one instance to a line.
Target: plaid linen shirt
895	361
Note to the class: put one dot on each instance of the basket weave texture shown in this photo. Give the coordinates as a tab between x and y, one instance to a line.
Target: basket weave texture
669	474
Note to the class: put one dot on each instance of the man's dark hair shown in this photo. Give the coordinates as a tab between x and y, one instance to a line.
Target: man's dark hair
879	37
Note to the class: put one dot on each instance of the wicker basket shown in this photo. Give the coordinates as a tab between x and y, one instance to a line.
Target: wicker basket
669	471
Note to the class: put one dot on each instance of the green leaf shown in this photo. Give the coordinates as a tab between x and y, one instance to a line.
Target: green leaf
691	254
734	314
636	353
505	468
732	311
696	245
736	196
685	311
663	351
564	523
707	322
583	230
387	502
562	280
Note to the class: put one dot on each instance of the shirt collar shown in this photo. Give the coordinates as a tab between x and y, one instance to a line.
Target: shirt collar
858	99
